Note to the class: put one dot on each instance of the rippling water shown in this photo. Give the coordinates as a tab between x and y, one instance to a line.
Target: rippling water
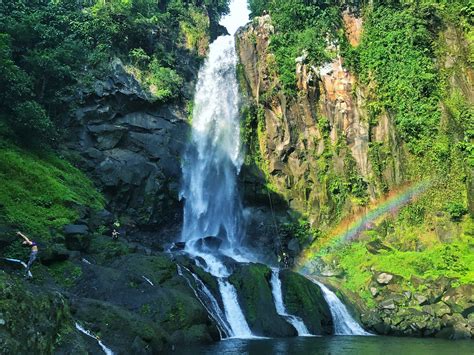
334	345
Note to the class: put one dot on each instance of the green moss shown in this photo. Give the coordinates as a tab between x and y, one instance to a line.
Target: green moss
65	273
104	248
34	322
39	191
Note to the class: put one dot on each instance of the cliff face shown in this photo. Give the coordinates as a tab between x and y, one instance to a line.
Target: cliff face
321	138
329	159
131	147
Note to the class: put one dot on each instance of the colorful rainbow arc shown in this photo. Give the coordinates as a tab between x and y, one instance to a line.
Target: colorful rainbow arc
350	228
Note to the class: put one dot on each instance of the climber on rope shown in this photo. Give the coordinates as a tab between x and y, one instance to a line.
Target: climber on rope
34	252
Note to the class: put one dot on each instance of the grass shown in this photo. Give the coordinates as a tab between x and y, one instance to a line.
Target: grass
40	191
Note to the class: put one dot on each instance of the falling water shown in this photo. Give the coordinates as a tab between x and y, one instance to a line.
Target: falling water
295	321
344	324
213	157
212	162
106	350
207	299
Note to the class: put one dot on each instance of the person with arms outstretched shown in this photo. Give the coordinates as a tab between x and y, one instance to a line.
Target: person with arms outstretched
33	254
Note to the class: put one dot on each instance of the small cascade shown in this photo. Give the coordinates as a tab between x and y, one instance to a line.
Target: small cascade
209	302
344	324
106	350
295	321
233	312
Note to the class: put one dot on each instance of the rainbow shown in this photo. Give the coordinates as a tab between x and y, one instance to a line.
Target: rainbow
351	227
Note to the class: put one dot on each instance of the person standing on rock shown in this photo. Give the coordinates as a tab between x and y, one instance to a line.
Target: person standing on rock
115	233
33	254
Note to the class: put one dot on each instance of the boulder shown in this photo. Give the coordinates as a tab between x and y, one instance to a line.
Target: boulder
54	253
384	278
209	243
77	237
420	299
460	299
255	297
374	291
387	304
440	309
305	299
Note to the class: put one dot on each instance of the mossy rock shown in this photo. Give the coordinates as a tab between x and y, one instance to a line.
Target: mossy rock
304	299
252	282
31	321
117	327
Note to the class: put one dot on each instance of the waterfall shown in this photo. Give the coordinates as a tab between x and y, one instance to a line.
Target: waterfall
207	299
212	162
213	157
295	321
344	324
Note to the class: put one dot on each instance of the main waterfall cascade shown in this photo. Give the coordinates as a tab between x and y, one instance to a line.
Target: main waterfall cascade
211	165
210	168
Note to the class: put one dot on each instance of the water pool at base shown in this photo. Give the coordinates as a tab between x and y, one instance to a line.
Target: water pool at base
333	345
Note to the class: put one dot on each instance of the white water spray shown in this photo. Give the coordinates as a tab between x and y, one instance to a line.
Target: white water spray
295	321
344	324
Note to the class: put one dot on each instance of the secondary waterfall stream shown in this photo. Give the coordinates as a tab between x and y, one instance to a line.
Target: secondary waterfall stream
344	324
296	322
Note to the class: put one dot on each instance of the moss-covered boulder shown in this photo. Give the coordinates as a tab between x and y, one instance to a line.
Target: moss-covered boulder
31	321
252	282
305	299
149	287
120	329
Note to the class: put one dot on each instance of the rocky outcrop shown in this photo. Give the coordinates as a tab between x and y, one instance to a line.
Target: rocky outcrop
316	142
131	147
416	307
255	297
41	318
305	300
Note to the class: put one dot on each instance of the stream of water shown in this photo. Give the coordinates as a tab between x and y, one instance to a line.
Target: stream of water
295	321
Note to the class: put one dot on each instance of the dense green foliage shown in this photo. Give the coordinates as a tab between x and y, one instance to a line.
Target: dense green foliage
396	52
50	49
40	191
302	28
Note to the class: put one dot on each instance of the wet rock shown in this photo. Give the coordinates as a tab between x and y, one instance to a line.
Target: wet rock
255	297
305	299
210	243
384	278
454	332
77	237
178	246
